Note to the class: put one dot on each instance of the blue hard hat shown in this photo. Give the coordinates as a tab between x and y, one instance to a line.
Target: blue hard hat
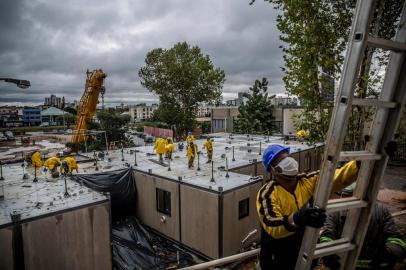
189	133
271	152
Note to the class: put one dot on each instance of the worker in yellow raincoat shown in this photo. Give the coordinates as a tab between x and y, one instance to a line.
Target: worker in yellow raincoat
36	160
302	134
160	148
209	147
69	164
169	148
283	209
52	164
191	153
190	137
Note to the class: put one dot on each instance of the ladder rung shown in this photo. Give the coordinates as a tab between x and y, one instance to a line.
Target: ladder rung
374	102
385	44
345	203
358	155
332	247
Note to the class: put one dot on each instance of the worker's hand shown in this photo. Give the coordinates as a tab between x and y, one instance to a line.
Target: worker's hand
309	216
390	148
389	254
332	262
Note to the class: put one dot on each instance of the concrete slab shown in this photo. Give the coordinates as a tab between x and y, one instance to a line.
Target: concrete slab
44	197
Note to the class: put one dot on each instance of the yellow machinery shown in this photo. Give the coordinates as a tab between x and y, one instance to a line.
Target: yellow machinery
88	102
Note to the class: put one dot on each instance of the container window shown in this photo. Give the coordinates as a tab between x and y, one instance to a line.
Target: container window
244	208
163	201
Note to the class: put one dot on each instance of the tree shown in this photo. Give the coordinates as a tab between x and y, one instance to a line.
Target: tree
384	23
316	34
256	113
70	110
182	77
112	122
68	119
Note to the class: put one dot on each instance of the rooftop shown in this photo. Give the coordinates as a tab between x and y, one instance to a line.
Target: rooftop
42	198
47	195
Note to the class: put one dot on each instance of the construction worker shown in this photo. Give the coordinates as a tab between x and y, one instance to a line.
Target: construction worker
209	147
180	146
160	148
190	137
169	148
383	244
52	164
69	164
36	160
302	135
191	153
282	206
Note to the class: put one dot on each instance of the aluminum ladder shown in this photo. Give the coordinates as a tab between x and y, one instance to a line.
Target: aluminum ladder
373	158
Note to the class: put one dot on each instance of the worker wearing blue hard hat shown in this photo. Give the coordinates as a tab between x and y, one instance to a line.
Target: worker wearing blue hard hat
190	137
283	206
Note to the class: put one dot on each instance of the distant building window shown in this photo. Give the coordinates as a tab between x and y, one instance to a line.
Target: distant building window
218	123
163	201
244	208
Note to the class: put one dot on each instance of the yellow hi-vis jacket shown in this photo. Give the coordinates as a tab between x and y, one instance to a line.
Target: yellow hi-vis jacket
52	162
169	148
191	151
190	138
36	160
209	145
160	146
72	165
274	202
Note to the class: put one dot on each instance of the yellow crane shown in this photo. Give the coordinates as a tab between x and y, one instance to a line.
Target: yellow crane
88	102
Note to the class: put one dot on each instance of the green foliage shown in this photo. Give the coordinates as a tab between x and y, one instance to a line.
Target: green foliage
315	33
206	127
182	77
384	24
114	124
70	110
256	113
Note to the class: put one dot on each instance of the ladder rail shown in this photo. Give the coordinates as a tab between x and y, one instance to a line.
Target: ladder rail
393	80
338	123
374	159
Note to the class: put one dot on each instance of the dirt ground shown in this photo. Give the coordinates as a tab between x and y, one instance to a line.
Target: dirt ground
393	194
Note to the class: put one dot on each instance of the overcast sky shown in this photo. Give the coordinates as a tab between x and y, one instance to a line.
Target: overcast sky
52	43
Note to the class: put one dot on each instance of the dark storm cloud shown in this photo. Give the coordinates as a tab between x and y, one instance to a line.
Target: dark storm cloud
52	43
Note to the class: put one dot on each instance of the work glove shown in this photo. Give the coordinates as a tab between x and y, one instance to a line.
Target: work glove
309	216
332	262
391	148
389	254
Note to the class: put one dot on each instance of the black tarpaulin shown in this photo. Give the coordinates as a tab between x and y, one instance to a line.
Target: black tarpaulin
120	185
135	248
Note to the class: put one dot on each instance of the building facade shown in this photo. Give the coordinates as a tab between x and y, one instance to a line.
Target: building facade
222	118
203	110
10	117
54	101
238	101
285	100
142	112
31	116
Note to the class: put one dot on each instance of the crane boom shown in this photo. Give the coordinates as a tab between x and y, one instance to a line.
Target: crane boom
88	102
